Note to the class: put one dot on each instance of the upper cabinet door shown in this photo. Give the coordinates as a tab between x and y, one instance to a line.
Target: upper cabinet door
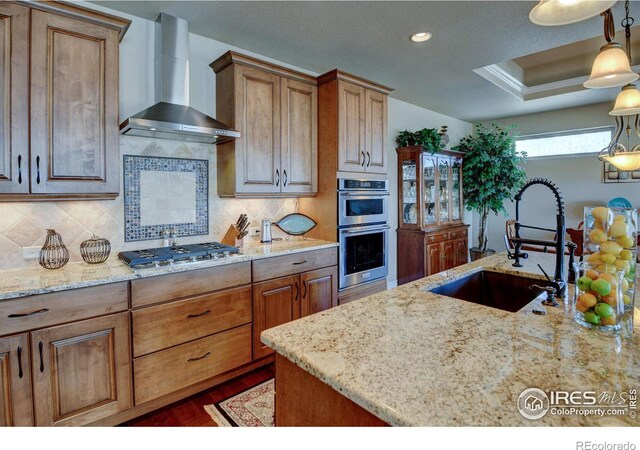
14	95
351	127
299	137
74	106
257	159
15	382
375	132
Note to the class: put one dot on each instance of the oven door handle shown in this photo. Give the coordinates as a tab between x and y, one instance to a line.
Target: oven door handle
364	230
365	194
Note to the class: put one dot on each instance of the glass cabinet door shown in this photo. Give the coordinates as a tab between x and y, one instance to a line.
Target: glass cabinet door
429	191
456	207
409	192
443	189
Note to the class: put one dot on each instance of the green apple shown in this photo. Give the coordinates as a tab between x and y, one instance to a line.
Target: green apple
592	318
584	283
601	286
603	310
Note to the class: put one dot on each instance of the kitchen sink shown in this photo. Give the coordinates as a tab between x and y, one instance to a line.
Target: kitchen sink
497	290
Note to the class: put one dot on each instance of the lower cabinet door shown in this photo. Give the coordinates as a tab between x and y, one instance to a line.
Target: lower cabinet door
15	382
319	290
462	251
448	255
274	302
81	371
434	258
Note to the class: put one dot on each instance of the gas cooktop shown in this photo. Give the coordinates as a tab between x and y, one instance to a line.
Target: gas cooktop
160	256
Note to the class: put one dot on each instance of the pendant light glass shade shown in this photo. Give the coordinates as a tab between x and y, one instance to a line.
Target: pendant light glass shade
563	12
624	161
627	102
611	68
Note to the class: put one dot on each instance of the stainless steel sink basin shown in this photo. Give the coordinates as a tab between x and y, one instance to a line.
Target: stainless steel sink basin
497	290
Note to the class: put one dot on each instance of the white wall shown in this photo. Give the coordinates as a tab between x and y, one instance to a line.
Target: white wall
578	178
404	116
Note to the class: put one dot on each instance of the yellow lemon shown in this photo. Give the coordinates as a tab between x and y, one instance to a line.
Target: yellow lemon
626	299
626	255
626	241
611	320
601	213
618	229
598	236
620	218
624	285
623	265
594	258
610	278
606	268
608	259
611	248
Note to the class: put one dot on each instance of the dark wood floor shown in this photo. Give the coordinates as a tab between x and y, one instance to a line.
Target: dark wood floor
190	411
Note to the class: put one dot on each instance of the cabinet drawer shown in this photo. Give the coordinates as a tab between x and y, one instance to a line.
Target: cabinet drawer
159	327
178	367
458	233
148	291
436	237
45	310
282	266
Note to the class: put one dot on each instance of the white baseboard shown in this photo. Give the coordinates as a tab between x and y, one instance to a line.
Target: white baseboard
392	284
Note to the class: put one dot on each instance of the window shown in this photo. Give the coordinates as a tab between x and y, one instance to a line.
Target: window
573	143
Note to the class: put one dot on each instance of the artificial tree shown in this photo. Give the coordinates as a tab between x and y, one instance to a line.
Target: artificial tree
491	174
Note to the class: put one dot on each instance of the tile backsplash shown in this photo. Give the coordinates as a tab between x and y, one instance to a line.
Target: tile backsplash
25	224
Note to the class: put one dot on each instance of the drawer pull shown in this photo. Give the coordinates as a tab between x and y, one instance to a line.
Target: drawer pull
14	316
199	357
298	263
297	292
304	292
41	360
192	316
19	362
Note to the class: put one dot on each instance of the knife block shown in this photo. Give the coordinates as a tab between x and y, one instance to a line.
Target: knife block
231	237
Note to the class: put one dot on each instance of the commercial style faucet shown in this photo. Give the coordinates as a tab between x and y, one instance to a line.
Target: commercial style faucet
559	281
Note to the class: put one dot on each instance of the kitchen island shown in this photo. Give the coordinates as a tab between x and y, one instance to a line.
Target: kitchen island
408	357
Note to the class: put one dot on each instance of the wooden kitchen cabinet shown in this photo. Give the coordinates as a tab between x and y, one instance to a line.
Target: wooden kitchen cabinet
431	234
15	382
275	110
274	302
361	127
63	113
319	290
81	371
14	99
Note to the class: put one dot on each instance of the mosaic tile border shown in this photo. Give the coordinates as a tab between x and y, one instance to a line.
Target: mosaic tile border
133	165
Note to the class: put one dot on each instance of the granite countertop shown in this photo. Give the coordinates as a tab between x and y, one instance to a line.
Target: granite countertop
25	282
413	358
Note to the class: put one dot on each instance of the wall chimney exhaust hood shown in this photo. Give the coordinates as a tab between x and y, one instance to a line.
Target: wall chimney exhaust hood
171	117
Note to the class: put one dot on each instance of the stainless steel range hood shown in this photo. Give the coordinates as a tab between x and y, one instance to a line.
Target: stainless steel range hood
171	117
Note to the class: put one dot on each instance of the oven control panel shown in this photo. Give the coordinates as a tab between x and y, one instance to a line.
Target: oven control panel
351	184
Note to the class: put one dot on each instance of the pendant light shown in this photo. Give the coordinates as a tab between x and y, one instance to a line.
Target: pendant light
563	12
626	111
611	67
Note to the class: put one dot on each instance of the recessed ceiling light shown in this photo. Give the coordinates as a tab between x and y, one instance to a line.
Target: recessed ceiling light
420	37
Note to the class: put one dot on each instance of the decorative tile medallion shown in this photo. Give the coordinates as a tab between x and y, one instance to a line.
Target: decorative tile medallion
613	175
190	172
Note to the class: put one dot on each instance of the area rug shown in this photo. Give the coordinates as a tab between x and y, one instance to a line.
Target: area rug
251	408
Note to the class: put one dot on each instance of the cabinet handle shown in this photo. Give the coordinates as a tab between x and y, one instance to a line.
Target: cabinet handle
19	362
38	169
199	357
277	177
298	263
297	292
284	172
368	159
41	360
191	316
20	171
304	292
363	158
39	311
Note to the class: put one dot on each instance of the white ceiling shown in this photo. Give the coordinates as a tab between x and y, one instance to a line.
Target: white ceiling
371	39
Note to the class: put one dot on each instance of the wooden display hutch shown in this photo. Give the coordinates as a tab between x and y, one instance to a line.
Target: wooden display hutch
431	234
